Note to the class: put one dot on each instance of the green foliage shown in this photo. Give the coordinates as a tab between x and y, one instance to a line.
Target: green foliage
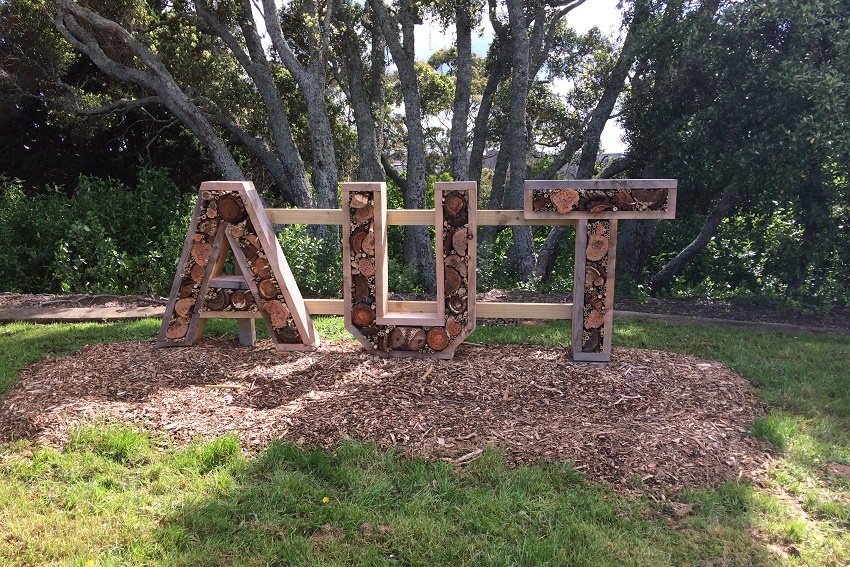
105	238
315	263
750	94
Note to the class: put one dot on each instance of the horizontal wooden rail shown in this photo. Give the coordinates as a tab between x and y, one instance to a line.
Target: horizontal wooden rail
492	310
409	217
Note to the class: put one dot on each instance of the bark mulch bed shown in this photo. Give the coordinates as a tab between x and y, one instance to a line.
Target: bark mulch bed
649	419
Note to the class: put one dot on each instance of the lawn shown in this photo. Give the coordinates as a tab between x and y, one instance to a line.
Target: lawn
116	495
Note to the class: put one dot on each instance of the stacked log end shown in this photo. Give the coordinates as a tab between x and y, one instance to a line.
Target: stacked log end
564	200
361	242
595	285
216	208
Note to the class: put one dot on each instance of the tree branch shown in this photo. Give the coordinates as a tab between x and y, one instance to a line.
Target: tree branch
666	274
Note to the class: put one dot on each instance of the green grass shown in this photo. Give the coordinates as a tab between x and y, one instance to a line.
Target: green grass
117	496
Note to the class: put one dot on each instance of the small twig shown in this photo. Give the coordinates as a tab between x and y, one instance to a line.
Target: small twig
466	459
624	398
427	372
547	388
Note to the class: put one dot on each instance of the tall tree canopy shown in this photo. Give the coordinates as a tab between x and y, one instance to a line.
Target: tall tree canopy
744	102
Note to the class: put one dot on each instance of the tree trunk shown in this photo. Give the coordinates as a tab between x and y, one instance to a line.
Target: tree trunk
634	244
463	92
417	242
368	153
516	134
709	229
154	79
500	56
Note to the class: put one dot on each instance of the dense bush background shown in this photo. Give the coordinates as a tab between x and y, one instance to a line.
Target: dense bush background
103	236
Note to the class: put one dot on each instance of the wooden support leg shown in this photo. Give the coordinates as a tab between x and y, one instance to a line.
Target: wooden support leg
247	329
593	290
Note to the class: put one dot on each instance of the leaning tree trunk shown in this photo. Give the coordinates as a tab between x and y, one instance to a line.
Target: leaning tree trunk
463	93
709	229
516	132
417	242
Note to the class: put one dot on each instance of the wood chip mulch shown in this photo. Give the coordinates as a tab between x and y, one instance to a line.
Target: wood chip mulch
648	420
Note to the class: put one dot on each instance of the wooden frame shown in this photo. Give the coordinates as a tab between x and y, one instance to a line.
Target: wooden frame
229	218
594	206
399	329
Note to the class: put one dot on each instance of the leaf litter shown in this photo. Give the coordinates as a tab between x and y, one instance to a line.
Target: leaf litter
648	420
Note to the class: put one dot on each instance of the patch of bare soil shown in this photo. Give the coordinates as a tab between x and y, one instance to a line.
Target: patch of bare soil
649	419
50	300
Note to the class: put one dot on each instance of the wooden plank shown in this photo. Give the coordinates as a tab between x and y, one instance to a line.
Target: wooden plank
227	281
601	184
578	287
385	314
407	217
280	267
610	281
496	217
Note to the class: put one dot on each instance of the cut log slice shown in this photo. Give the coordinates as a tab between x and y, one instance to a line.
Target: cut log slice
251	252
369	244
594	276
262	268
539	202
456	262
460	240
211	212
287	334
184	307
187	289
197	273
593	342
359	287
177	329
406	338
364	214
359	200
650	197
201	252
597	247
454	204
237	231
366	267
268	289
362	315
457	305
355	241
452	280
278	313
459	220
437	338
241	300
216	300
254	240
199	237
565	200
453	326
594	320
596	303
623	201
231	209
597	204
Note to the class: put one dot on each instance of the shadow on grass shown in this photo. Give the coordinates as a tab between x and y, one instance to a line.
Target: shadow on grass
360	505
